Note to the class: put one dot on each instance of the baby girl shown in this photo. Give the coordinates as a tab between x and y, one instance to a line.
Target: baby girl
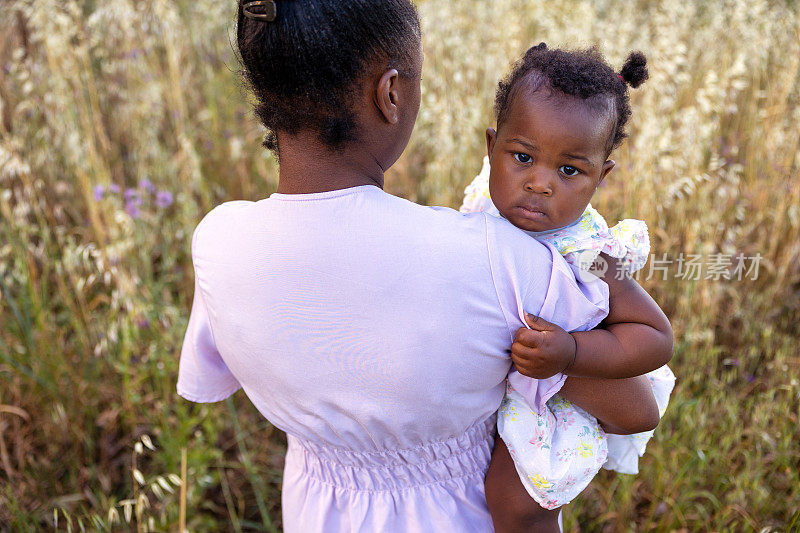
560	114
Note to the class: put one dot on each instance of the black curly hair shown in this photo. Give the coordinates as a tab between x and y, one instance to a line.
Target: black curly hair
302	66
580	73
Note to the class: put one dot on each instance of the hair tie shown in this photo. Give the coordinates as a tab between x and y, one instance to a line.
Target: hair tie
621	77
266	10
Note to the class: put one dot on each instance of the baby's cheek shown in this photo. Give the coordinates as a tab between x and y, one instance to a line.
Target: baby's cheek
500	198
502	205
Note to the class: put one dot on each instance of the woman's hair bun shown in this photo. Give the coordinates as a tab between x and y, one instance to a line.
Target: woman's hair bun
634	71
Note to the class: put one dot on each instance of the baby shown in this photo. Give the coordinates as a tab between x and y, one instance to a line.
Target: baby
559	116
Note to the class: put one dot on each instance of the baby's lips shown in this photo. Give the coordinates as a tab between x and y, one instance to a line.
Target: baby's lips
530	212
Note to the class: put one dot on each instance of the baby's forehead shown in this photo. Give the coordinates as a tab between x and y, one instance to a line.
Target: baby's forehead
599	106
596	114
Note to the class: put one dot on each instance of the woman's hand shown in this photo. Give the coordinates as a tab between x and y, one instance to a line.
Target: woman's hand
544	350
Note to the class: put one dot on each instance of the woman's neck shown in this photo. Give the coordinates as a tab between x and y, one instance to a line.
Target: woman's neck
308	166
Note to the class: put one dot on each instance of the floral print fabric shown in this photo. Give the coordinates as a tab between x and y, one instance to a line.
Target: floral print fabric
556	452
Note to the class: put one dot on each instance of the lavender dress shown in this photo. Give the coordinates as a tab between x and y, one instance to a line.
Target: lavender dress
373	331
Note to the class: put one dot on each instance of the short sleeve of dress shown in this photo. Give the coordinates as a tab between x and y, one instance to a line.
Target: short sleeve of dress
532	277
575	300
202	374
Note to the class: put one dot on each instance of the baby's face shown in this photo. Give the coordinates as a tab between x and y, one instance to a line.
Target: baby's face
547	159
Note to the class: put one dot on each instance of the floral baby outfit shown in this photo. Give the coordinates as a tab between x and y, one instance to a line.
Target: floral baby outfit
558	448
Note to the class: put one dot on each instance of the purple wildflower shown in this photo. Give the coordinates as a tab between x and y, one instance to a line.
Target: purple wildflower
147	185
132	210
750	378
6	68
132	202
164	199
113	188
99	192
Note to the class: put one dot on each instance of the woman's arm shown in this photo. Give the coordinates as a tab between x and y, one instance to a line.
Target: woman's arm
635	338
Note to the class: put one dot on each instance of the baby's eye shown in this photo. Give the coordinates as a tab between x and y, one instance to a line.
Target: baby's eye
522	158
568	170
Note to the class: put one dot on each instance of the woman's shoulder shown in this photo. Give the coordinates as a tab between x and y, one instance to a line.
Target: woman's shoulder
436	218
222	220
494	234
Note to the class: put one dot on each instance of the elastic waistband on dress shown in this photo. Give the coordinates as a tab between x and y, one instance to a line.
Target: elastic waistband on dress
396	469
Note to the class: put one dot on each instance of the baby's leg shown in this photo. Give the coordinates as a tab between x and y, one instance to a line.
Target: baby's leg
510	505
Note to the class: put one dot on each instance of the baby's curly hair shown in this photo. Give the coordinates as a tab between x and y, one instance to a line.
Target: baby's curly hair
581	73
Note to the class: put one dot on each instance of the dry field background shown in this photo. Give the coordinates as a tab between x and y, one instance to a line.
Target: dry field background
122	123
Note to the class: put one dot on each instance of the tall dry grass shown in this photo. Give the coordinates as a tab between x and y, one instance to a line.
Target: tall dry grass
122	123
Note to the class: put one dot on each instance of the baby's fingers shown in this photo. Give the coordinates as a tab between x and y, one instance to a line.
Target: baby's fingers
538	323
523	352
528	337
527	362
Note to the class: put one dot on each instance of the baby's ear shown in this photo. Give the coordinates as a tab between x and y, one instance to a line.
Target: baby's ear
491	137
607	166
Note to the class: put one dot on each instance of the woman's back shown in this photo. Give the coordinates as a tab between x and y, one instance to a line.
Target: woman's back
374	332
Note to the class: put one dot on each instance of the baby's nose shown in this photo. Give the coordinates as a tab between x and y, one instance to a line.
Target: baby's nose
539	182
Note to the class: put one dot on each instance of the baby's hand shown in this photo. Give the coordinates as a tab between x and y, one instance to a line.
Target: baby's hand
544	350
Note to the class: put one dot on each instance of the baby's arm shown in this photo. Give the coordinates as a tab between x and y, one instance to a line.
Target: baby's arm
602	399
635	337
